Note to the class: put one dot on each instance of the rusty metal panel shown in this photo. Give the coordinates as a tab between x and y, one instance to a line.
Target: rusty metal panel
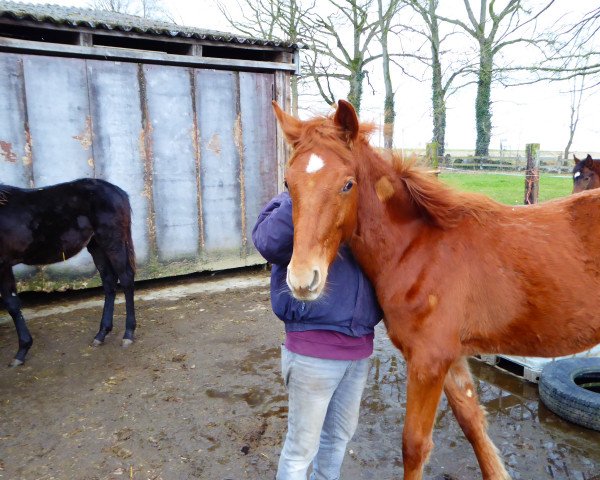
259	152
219	124
59	119
15	154
15	158
61	132
115	107
172	135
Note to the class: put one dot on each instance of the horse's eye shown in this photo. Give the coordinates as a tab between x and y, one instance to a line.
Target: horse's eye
285	185
348	186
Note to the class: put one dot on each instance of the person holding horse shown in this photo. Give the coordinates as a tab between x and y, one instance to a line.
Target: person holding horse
325	357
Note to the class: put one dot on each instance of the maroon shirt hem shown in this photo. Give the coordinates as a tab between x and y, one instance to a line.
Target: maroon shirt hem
329	345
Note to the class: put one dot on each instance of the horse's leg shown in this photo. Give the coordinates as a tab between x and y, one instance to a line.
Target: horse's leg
8	290
424	389
119	259
462	397
109	284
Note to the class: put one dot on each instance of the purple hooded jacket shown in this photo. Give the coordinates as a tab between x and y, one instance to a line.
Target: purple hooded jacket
348	304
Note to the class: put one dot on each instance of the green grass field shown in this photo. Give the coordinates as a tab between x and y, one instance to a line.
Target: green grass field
509	189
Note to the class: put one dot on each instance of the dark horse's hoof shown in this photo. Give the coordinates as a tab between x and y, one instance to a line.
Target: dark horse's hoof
126	342
97	343
15	363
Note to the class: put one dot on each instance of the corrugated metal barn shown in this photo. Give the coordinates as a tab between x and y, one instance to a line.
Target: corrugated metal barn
180	118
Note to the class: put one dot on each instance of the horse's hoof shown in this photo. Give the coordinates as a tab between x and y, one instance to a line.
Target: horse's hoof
15	363
97	343
126	342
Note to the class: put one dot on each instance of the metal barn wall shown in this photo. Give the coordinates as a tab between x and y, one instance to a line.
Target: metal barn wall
194	148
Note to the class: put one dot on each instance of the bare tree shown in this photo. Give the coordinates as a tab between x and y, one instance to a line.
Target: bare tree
494	31
118	6
272	20
576	91
576	52
151	9
443	78
385	17
332	57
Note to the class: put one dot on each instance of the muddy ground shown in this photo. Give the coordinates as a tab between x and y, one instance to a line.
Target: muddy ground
199	396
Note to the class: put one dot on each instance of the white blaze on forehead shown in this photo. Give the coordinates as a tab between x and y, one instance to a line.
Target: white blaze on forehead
576	174
315	163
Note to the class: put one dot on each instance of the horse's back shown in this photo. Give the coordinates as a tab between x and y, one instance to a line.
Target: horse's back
532	288
48	224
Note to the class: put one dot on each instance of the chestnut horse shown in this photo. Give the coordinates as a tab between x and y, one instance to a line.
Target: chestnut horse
586	174
456	274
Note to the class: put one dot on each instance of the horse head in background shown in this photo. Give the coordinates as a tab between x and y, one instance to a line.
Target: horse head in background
48	225
586	174
457	274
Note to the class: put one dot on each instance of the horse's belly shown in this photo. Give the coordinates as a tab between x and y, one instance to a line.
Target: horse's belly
58	248
540	338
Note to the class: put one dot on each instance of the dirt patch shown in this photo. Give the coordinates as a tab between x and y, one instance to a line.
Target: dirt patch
199	395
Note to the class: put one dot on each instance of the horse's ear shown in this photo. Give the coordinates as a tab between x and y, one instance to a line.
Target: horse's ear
575	159
589	161
292	127
589	157
345	118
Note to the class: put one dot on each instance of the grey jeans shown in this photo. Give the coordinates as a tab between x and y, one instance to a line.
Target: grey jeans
324	402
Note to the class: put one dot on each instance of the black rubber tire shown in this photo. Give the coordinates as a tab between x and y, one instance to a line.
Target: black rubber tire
563	396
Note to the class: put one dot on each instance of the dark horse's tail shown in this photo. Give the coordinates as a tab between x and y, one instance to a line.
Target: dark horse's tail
129	239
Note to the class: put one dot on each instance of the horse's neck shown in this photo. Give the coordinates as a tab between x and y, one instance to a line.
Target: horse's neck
384	209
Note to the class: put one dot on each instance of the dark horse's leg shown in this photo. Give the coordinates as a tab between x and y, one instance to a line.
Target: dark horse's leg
109	284
123	266
8	290
114	264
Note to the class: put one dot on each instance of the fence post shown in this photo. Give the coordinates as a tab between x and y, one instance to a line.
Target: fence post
432	154
532	173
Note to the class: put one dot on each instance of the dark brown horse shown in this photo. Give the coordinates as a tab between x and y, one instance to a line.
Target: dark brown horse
48	225
586	174
457	274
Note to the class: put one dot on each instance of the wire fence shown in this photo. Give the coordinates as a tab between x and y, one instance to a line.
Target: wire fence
510	164
504	160
515	162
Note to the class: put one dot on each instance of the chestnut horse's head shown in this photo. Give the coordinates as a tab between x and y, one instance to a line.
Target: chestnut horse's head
321	179
586	174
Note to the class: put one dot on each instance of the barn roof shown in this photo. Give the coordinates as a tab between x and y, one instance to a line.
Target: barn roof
104	20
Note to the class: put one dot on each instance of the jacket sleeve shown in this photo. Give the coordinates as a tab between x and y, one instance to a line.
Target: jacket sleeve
273	234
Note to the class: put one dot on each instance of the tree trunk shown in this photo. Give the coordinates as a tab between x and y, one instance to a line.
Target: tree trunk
437	90
483	103
389	110
568	147
356	89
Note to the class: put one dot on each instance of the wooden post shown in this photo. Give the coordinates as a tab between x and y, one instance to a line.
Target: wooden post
432	154
532	173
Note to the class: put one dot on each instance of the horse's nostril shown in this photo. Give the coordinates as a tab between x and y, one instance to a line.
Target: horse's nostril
315	281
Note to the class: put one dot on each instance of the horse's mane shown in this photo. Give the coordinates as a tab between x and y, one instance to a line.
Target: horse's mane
444	205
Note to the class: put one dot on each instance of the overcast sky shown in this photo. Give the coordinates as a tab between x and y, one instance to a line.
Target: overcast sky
530	114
